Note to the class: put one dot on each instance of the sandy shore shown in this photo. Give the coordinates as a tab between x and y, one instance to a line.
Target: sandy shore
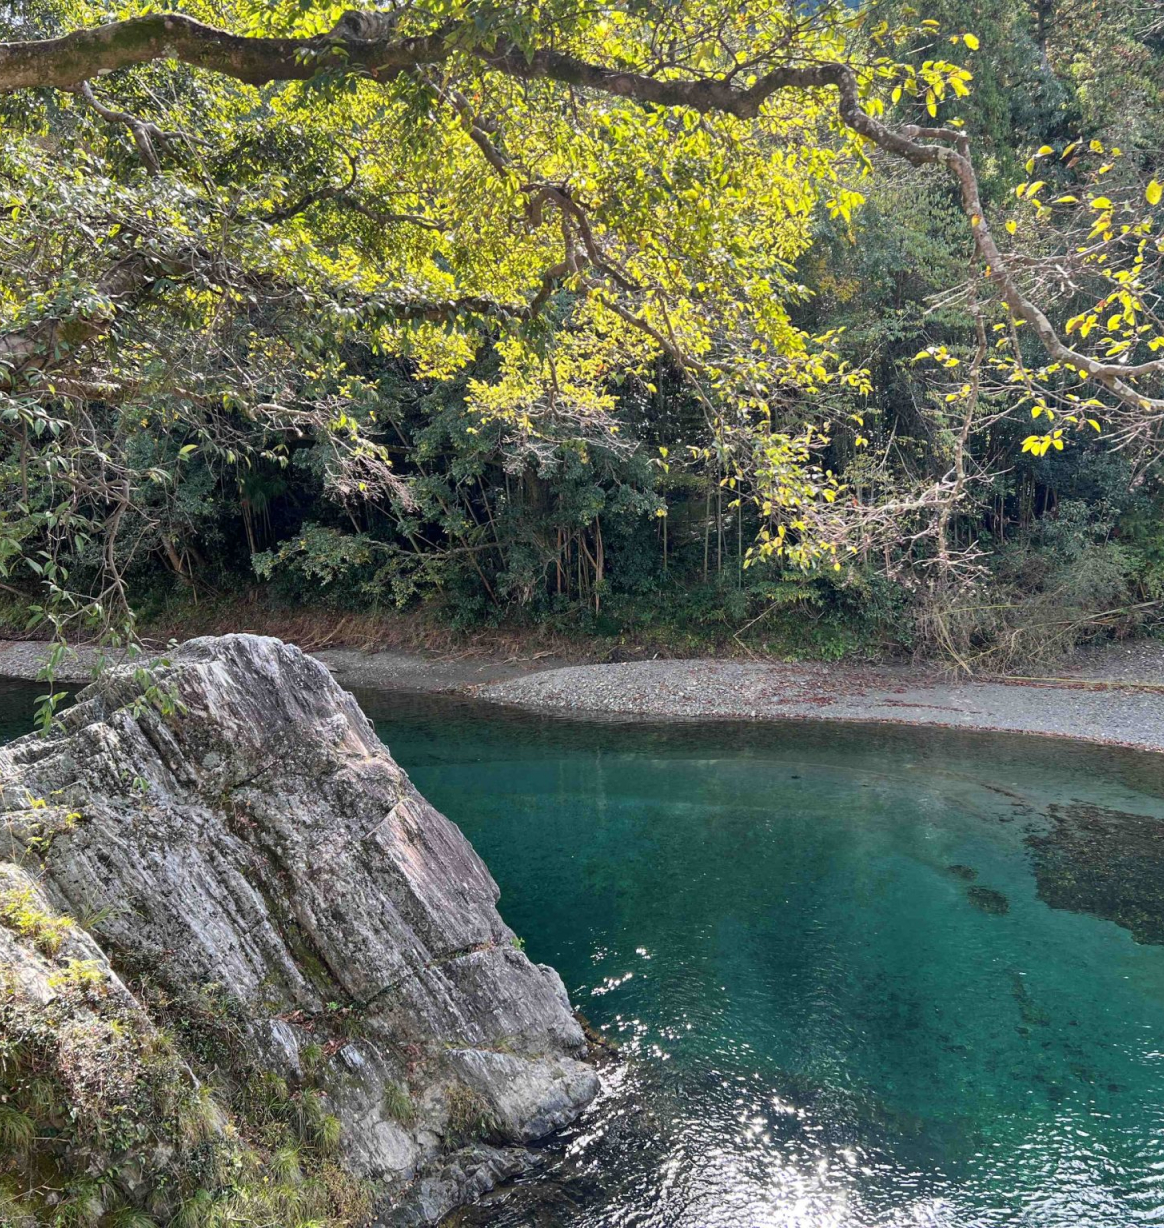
1114	695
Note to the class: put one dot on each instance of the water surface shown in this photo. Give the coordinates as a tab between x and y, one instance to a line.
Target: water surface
18	701
823	952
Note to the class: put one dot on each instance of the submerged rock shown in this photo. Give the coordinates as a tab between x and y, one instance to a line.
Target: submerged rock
988	900
1105	862
267	881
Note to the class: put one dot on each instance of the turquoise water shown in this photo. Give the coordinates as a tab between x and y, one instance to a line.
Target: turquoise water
839	998
823	1027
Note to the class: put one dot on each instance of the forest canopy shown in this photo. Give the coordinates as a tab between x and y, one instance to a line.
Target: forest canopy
563	308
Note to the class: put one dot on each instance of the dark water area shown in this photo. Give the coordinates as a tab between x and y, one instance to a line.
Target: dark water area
828	957
18	703
860	977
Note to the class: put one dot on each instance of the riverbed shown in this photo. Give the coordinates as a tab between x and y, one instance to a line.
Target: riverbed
860	977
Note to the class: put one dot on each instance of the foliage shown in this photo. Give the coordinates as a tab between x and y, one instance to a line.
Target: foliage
398	1104
21	911
106	1115
483	329
468	1116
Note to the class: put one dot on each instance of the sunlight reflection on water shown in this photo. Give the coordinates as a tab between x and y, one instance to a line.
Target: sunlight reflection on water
823	954
826	955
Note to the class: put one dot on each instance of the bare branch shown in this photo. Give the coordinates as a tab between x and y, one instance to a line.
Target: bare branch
144	132
341	195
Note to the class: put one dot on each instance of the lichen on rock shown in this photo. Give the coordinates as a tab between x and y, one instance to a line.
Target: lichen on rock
314	946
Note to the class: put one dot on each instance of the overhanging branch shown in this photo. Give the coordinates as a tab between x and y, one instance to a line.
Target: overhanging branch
368	43
57	342
66	61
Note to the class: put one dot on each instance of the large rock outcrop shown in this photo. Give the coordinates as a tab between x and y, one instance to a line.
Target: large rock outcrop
269	885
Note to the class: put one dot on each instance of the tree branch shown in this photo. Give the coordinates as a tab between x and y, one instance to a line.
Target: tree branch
51	343
341	195
66	61
143	133
367	43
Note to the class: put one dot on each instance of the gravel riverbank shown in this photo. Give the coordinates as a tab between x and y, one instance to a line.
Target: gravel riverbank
1116	711
1113	695
352	667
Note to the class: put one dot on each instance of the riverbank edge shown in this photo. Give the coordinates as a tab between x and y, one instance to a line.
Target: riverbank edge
1115	698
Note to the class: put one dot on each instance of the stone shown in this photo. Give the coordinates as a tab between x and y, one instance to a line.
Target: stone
237	830
1105	862
989	900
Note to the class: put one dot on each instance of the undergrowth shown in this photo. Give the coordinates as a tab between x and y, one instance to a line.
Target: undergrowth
105	1124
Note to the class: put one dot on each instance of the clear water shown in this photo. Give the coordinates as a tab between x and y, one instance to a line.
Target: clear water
821	1024
18	702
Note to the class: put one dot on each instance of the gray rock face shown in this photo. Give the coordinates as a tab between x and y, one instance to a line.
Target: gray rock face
259	844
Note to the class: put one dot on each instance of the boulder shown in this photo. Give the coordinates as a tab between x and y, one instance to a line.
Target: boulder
268	886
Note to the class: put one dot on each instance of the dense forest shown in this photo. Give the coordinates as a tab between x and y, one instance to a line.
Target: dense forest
523	341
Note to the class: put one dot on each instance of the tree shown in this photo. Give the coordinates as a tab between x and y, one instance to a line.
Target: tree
204	222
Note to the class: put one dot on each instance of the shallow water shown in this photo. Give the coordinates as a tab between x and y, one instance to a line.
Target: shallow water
824	1024
822	950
